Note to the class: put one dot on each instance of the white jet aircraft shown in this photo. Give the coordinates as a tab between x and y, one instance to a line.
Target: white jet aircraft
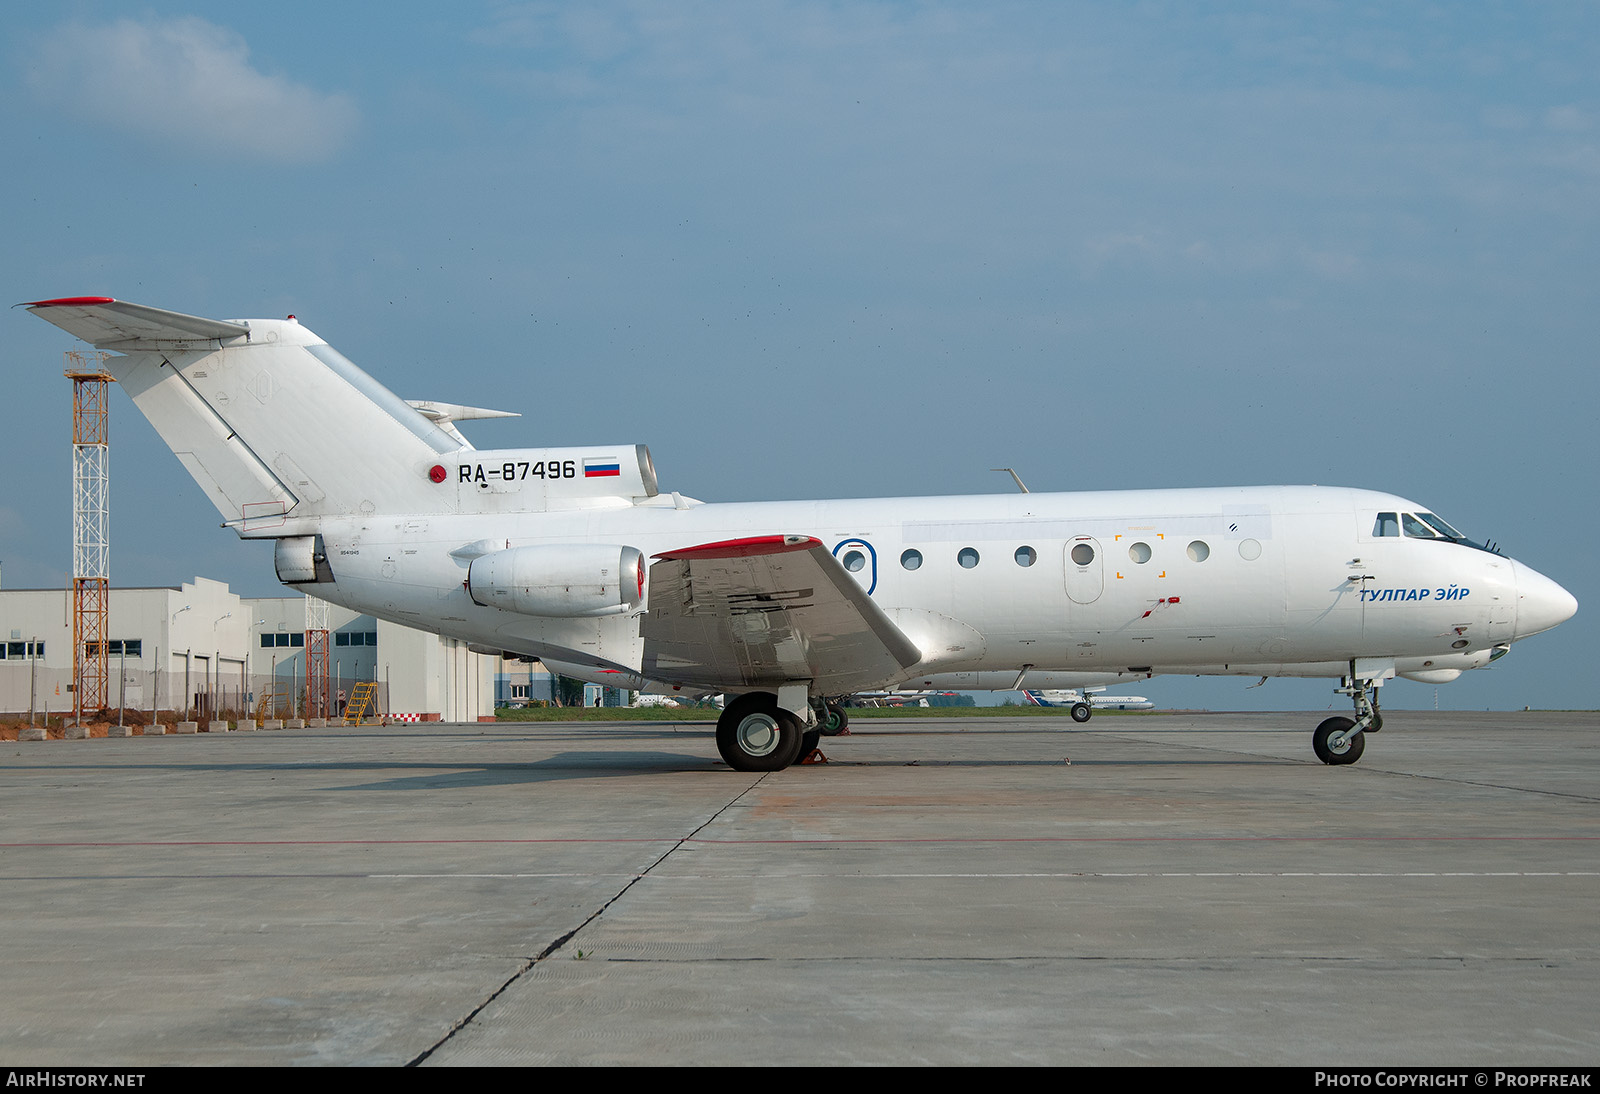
575	556
1084	703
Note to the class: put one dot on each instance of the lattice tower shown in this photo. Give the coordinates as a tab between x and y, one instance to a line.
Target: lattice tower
91	531
317	693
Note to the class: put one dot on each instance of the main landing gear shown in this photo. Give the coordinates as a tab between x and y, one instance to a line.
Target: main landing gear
755	734
831	718
1081	712
1342	740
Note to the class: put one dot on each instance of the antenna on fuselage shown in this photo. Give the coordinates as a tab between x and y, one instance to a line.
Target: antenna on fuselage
1014	475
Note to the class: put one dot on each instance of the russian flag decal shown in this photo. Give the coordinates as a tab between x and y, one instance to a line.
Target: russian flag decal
601	469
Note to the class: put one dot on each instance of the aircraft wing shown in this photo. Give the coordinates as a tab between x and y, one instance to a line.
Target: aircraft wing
764	612
114	324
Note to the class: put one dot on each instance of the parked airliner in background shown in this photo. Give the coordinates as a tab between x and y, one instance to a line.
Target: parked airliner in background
575	555
1084	703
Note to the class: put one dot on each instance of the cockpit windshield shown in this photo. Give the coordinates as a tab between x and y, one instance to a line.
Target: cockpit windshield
1421	526
1442	528
1415	528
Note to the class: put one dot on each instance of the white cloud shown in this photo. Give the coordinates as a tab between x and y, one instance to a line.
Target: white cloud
186	83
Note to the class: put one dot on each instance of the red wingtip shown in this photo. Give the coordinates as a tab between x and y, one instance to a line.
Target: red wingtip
72	302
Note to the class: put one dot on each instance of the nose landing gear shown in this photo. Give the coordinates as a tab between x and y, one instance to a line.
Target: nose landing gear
1337	741
1342	740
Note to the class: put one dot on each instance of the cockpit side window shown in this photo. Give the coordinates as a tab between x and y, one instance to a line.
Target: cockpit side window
1387	524
1415	528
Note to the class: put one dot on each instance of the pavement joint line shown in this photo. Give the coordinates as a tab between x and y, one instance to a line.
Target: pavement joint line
813	840
1122	959
532	962
843	874
1371	770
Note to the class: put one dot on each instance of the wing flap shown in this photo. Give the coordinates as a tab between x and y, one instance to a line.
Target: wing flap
765	611
106	323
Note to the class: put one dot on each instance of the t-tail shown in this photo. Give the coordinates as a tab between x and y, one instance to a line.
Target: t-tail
283	432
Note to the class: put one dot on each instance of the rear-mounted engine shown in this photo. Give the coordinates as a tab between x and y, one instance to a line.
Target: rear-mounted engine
559	579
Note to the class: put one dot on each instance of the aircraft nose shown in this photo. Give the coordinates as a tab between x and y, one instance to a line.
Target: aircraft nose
1541	603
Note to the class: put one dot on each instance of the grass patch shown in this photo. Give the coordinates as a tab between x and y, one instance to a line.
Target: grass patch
605	714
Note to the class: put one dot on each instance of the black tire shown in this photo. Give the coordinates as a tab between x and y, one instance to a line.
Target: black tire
1377	722
808	742
834	720
753	734
1081	712
1353	747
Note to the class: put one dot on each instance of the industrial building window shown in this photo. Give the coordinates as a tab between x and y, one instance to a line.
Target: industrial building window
282	638
355	638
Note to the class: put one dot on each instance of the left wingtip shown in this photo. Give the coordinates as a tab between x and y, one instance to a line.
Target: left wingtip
69	302
743	548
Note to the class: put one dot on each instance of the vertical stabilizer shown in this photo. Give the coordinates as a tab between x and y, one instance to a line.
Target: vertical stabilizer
274	424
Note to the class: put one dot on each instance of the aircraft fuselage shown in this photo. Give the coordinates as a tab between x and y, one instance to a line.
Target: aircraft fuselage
1250	580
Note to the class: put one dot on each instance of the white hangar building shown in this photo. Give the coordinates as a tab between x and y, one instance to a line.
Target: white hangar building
200	647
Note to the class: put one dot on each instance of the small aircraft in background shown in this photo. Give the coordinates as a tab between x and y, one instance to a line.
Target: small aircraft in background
1083	703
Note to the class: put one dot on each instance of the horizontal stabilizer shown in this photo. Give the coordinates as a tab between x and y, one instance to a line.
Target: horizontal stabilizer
106	323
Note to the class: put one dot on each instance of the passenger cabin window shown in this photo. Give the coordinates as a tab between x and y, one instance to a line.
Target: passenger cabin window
1388	524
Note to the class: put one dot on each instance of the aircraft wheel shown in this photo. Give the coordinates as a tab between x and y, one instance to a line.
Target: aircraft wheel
834	721
1377	723
1348	753
808	742
1081	712
753	734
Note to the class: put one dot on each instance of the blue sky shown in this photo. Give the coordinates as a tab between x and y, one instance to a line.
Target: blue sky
822	250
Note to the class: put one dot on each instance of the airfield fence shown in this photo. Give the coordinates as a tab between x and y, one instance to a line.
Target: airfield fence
144	694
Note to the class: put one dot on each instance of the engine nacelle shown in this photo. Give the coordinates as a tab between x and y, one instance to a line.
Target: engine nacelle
559	579
301	560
